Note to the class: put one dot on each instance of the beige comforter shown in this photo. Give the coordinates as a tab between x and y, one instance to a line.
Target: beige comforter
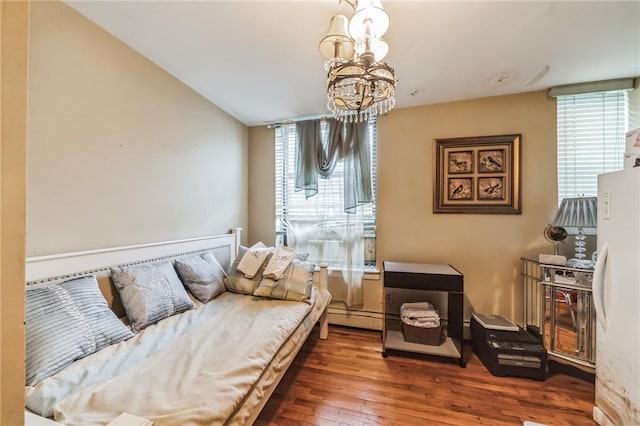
197	368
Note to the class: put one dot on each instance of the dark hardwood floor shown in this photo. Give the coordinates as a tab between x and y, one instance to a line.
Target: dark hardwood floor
345	381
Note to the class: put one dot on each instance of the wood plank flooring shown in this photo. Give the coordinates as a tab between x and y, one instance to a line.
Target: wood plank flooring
345	381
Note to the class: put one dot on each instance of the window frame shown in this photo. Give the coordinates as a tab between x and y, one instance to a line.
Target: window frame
285	183
590	139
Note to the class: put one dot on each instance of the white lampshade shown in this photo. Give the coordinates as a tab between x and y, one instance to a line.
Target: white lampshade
378	47
337	43
368	11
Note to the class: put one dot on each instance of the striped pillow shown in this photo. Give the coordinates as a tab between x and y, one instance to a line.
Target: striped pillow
295	284
66	322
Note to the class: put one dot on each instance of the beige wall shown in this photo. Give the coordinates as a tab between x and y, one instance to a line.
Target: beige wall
14	24
119	151
262	171
634	106
485	248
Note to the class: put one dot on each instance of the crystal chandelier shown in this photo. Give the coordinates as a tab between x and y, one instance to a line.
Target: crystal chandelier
359	85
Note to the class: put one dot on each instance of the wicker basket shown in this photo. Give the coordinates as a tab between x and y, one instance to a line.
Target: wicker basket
432	336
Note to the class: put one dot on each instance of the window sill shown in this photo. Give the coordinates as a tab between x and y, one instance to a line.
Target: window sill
370	272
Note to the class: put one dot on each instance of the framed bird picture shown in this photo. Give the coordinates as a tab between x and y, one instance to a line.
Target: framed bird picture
477	175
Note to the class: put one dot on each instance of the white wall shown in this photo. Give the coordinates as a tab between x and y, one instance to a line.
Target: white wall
119	151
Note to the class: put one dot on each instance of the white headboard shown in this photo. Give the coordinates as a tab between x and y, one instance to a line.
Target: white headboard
98	262
68	265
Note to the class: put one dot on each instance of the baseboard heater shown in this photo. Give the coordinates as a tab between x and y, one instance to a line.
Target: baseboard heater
355	318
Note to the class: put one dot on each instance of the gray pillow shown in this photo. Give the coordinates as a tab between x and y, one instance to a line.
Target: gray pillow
295	284
203	276
66	322
237	282
150	292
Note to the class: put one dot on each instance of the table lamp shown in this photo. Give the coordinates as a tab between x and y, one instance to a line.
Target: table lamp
579	217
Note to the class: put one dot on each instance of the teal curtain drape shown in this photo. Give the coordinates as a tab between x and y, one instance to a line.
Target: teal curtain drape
317	156
357	167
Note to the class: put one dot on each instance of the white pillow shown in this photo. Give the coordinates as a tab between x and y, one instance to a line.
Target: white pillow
281	258
253	259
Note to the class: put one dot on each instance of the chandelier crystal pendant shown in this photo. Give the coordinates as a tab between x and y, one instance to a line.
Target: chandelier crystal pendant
359	85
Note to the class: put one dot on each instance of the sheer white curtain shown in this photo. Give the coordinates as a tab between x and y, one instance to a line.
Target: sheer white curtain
331	178
353	272
333	236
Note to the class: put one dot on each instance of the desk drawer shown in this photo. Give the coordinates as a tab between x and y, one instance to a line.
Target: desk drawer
416	281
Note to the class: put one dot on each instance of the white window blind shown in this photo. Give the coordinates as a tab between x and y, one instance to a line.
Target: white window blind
591	130
292	206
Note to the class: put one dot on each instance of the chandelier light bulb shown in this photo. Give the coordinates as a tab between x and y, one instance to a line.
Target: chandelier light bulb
377	46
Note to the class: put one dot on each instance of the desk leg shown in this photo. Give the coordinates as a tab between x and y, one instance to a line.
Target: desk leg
455	323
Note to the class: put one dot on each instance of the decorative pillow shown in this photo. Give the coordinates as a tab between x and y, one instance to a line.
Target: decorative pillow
279	262
203	275
66	322
253	259
295	284
150	292
237	282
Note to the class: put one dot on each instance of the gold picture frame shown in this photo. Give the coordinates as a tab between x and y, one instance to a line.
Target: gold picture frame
477	175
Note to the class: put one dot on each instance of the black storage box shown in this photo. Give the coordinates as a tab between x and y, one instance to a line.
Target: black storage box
427	336
509	353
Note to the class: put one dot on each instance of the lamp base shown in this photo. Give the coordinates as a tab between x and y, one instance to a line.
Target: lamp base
580	263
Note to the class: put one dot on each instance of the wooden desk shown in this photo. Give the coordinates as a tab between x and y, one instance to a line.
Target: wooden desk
414	279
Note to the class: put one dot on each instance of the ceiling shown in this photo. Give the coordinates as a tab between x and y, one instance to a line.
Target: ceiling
259	60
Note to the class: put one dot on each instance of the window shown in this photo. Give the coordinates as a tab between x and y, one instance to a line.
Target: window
324	207
591	131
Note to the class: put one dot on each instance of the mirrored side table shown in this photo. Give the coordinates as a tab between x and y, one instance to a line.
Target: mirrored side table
558	305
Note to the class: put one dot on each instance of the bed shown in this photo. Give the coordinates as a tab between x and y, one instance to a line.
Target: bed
215	363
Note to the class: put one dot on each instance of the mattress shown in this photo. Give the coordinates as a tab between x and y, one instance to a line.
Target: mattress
211	365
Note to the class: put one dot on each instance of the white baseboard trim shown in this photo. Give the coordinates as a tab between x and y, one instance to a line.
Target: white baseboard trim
600	417
355	318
